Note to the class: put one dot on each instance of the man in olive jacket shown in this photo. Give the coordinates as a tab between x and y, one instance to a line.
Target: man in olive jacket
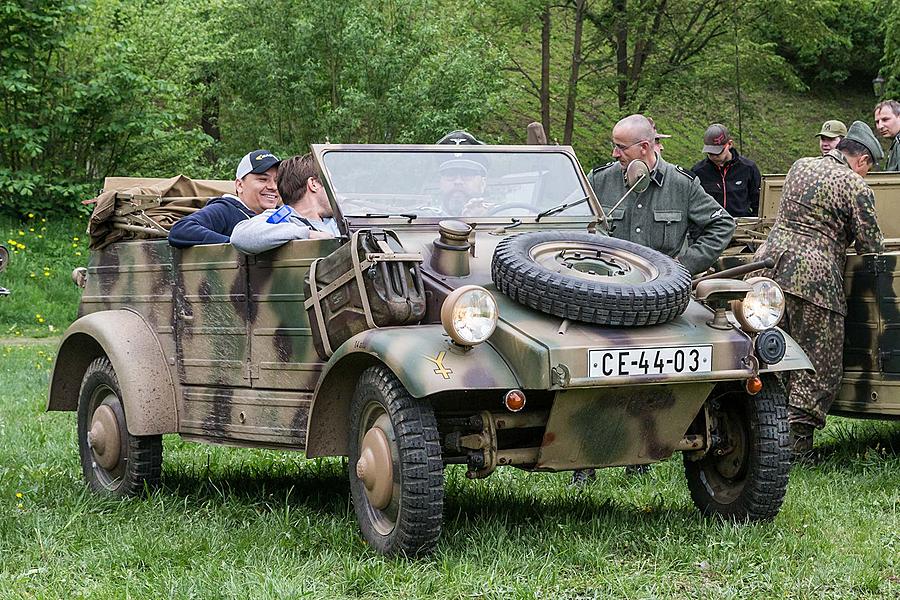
674	216
826	207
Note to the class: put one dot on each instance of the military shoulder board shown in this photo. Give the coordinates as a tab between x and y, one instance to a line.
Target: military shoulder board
685	172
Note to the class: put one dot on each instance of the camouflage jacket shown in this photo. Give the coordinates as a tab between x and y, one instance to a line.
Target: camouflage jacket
674	215
825	207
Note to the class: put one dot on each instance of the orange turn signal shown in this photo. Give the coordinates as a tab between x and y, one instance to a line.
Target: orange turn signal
754	386
514	400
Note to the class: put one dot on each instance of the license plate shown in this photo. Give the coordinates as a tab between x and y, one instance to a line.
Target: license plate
616	362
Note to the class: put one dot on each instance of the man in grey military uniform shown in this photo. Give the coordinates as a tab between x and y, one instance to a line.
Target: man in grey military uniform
674	216
887	122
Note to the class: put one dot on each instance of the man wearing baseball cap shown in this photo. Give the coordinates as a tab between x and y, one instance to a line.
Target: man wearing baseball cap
831	135
731	179
826	206
255	191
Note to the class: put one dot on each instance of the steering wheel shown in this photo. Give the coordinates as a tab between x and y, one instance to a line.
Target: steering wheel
511	206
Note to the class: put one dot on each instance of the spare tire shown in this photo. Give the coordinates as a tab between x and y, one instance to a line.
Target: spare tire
591	278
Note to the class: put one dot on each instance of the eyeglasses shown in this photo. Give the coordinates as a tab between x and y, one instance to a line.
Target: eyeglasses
622	147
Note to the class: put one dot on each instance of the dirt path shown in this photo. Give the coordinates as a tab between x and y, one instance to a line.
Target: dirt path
29	341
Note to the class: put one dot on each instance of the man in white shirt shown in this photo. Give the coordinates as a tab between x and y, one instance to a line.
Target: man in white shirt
306	214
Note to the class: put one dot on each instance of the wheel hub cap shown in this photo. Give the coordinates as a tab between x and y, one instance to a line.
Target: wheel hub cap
375	468
104	437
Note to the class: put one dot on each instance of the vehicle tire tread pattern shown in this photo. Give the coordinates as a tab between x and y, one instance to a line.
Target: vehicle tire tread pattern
602	303
420	519
770	462
143	470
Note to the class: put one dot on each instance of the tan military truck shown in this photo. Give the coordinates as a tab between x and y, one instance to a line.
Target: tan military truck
472	312
871	383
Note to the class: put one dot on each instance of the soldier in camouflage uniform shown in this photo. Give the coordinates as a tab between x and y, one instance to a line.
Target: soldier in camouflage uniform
826	206
674	216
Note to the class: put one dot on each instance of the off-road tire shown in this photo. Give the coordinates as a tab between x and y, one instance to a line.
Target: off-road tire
140	467
603	302
417	467
757	491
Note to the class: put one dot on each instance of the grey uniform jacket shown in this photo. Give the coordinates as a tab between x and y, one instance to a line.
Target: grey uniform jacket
893	158
258	235
674	215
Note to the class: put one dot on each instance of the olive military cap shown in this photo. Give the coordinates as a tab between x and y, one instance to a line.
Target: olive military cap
833	129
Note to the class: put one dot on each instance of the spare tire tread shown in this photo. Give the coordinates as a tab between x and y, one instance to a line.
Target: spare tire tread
593	301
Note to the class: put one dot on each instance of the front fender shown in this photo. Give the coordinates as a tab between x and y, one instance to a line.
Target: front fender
422	358
795	358
148	393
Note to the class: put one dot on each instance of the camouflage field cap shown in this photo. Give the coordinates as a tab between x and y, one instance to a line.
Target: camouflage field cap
715	138
833	129
862	133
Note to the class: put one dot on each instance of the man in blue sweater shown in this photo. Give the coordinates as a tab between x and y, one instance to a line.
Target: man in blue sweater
256	189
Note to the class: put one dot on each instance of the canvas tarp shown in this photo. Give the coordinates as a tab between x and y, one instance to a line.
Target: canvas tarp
138	208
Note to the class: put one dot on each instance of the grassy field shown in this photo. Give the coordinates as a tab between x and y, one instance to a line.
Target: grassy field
245	523
43	252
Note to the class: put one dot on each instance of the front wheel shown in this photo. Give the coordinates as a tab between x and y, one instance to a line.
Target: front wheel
396	473
744	475
113	461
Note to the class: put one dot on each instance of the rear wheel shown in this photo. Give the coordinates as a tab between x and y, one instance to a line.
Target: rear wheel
396	473
112	460
744	475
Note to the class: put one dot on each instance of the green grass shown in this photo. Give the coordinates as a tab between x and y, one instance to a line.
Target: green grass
250	523
43	299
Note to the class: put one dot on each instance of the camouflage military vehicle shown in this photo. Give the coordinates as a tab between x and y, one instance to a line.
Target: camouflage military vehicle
472	313
871	383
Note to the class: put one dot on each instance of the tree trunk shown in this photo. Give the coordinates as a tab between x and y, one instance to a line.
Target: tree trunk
545	69
572	92
619	8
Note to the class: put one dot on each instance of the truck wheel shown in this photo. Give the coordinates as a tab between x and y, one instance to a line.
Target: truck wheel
396	473
745	474
591	278
113	461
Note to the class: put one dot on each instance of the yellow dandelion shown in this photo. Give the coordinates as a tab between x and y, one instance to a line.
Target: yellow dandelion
75	239
32	274
49	359
20	506
31	229
20	246
11	242
19	495
43	220
37	316
78	254
40	237
46	273
30	215
21	232
41	320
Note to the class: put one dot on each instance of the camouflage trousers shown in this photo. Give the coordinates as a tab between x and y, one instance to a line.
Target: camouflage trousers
820	332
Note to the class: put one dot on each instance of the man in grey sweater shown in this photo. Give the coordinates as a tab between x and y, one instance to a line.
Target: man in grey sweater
306	214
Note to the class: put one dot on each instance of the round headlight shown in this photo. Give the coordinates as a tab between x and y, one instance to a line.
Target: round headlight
469	315
762	307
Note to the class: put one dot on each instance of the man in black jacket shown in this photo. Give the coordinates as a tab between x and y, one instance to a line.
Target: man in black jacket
256	189
730	178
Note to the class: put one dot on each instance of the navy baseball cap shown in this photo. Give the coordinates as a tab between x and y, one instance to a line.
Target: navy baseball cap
258	161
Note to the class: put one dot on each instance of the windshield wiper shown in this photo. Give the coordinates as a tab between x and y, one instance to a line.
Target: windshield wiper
411	216
559	208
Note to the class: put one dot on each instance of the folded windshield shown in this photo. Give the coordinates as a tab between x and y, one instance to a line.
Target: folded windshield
464	183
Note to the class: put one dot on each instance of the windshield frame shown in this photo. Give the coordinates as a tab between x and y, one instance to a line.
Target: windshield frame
354	222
